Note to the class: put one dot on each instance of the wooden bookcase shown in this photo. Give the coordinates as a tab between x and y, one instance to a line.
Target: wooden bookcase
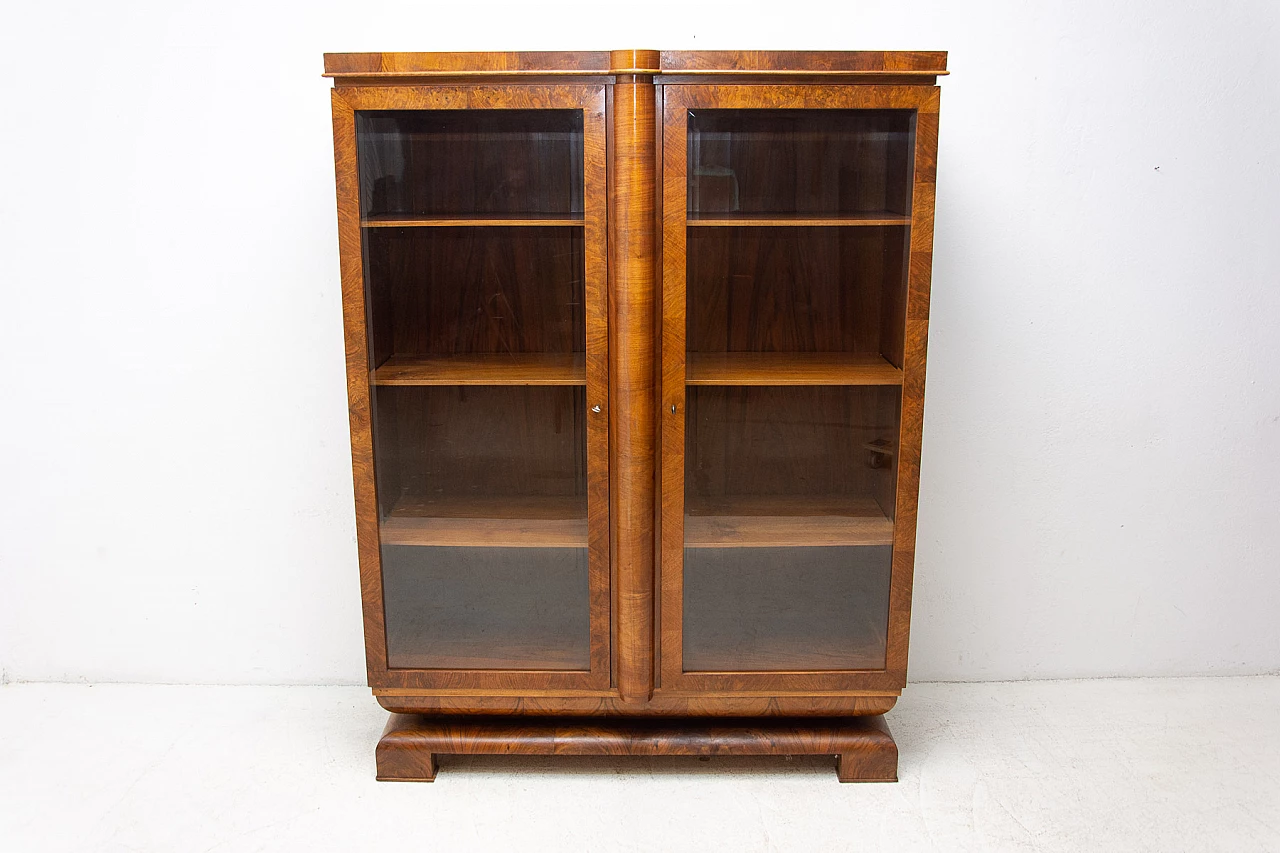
635	357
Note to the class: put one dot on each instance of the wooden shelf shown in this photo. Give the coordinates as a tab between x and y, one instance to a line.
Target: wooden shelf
785	521
530	522
722	647
789	368
521	653
776	220
416	220
483	369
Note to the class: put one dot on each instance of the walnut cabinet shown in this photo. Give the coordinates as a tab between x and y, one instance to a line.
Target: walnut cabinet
635	352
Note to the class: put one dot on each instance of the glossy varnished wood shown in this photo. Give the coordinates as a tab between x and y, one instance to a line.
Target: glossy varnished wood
724	220
790	368
402	756
632	359
915	347
410	220
350	69
528	522
784	521
804	61
811	704
488	532
483	369
470	63
863	746
357	358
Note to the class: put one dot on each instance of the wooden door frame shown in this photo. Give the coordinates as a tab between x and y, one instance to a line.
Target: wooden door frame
591	99
677	101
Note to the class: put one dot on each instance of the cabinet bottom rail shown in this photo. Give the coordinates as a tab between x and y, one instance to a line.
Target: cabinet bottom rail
864	749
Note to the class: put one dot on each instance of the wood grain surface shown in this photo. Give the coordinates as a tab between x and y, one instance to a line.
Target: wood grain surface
350	69
726	220
414	220
813	704
783	521
632	357
915	346
512	368
790	368
865	749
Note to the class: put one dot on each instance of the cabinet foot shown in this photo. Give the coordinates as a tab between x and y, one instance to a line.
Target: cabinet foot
864	749
402	756
872	758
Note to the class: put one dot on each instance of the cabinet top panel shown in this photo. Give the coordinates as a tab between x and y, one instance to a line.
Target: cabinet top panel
669	66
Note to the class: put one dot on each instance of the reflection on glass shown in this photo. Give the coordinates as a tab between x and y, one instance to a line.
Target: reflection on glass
805	289
486	608
477	345
789	465
470	162
759	609
788	526
809	162
796	276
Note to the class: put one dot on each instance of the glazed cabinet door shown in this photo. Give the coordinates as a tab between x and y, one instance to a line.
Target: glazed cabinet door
797	235
473	237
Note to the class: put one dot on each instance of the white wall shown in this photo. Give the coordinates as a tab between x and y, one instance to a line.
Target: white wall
1101	488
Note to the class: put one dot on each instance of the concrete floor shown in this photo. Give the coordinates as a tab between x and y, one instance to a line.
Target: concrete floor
1160	765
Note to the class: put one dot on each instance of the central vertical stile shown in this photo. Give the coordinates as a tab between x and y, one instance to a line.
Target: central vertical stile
631	357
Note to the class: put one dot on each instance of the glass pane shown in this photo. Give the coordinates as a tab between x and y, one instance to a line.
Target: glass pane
789	464
477	338
496	290
753	609
799	161
507	445
797	289
796	271
788	526
470	162
482	492
486	608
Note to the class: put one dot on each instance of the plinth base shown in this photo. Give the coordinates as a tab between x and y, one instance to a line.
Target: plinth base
864	749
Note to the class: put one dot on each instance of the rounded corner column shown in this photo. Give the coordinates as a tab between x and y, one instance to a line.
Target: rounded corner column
631	356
